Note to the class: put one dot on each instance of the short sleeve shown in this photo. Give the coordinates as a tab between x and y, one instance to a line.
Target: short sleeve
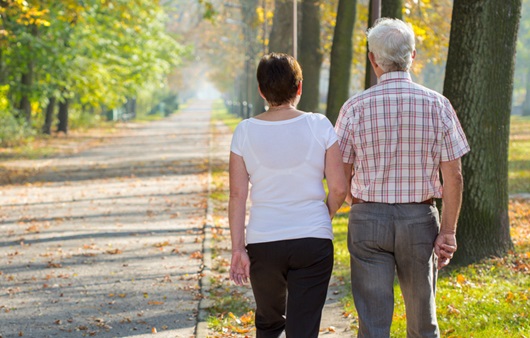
343	129
454	143
238	138
330	136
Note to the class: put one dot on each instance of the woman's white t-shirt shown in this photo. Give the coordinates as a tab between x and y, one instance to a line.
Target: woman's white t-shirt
285	161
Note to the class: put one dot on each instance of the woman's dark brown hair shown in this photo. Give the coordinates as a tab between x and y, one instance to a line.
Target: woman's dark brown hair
278	77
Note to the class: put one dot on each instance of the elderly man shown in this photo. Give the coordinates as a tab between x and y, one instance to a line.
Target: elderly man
395	138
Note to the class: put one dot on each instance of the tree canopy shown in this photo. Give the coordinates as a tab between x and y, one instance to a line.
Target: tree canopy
96	52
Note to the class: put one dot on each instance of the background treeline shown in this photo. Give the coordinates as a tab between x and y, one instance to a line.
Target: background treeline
68	62
236	33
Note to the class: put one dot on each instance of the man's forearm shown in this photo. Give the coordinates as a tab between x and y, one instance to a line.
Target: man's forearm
452	195
348	172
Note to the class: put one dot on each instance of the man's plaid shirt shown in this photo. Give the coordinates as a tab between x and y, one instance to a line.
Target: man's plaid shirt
395	134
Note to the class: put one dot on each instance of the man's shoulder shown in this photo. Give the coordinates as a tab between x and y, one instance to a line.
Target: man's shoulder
359	97
427	92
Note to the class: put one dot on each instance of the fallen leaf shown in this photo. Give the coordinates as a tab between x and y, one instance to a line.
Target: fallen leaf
453	310
234	317
161	244
460	279
51	264
114	252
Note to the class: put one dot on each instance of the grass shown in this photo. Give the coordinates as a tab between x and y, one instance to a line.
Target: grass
519	155
220	113
486	299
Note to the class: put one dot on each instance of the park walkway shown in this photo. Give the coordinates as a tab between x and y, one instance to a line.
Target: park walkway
110	242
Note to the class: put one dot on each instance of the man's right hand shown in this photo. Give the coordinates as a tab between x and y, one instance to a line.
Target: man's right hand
444	247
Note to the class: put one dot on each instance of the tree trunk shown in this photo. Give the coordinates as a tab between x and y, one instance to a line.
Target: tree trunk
310	57
526	103
368	71
27	82
392	9
281	37
62	126
389	9
132	107
479	83
250	30
48	118
2	68
341	58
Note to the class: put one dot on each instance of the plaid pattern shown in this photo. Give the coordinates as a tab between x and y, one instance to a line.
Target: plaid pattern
396	134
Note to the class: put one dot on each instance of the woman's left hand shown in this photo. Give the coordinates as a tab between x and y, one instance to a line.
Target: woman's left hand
240	267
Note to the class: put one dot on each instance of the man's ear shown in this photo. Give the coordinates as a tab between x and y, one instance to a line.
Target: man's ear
413	54
371	56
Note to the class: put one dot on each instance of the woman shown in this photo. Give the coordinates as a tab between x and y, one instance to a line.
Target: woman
284	153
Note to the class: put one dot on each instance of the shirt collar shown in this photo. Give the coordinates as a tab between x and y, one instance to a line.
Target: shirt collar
397	75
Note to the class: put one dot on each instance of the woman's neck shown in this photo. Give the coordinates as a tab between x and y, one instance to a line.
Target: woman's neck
280	112
280	107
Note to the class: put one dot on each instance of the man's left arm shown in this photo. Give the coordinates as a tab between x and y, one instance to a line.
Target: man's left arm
453	185
348	172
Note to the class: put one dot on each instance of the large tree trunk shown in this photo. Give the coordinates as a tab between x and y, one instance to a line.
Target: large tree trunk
341	58
281	37
526	103
310	57
48	118
479	83
62	126
392	9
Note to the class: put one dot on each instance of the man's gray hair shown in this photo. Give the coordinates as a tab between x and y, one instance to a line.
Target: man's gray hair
392	43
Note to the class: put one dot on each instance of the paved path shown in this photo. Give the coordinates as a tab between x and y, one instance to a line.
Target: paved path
111	242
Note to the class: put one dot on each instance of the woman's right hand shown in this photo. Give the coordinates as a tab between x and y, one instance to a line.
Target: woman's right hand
240	267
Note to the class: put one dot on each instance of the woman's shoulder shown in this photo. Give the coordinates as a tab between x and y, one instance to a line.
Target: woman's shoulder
319	119
242	124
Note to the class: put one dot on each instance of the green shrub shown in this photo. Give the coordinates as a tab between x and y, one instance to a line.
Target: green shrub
13	131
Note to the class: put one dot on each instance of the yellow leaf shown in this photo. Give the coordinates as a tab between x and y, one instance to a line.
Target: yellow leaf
234	317
247	317
239	330
460	279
